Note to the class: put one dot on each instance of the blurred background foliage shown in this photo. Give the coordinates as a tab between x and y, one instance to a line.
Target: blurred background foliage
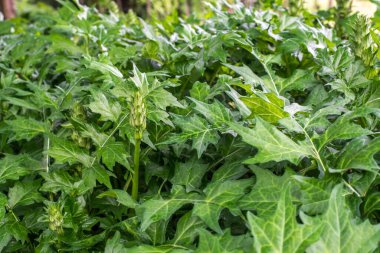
163	8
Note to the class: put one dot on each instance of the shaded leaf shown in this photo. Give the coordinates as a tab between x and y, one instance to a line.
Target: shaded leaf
121	196
219	195
157	209
189	174
341	232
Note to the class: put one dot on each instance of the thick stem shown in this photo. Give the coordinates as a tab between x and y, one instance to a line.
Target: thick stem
136	163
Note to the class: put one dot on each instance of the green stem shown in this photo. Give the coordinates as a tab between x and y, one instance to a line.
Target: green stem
136	163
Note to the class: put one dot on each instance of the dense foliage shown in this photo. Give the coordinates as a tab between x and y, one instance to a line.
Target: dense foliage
244	131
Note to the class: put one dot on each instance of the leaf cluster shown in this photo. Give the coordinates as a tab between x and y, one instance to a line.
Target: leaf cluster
262	133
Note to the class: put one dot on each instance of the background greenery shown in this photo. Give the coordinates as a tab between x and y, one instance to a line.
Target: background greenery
235	130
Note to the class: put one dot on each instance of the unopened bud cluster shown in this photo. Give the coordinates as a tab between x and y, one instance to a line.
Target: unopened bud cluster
81	141
363	45
55	218
138	115
79	113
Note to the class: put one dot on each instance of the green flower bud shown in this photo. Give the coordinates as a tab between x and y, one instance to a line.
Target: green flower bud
55	218
138	115
78	111
363	45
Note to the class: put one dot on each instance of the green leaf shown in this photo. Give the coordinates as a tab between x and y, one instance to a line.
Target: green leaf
105	68
195	129
14	228
216	113
332	64
114	245
58	180
189	174
157	209
102	175
372	203
299	80
266	192
65	151
12	167
187	229
343	129
3	203
157	232
24	193
139	79
358	154
60	42
25	128
86	242
341	86
23	103
315	193
341	232
232	169
246	73
114	152
121	196
281	232
162	99
272	144
200	91
107	110
222	244
219	195
262	106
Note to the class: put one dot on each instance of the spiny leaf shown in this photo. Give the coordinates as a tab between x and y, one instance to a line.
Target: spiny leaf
121	196
266	108
13	167
281	232
315	193
114	152
232	169
222	244
343	129
195	129
65	151
187	229
299	80
163	98
102	175
105	68
114	245
107	110
272	144
358	154
266	192
215	113
246	73
341	232
372	203
189	174
219	195
157	209
24	193
25	128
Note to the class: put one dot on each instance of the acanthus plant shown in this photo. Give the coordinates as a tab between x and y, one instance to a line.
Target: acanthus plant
248	131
